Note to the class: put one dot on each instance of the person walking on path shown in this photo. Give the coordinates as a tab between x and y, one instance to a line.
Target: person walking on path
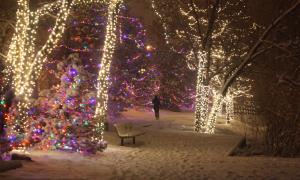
156	105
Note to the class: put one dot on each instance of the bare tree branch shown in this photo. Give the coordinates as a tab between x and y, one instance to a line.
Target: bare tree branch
253	57
197	18
211	22
261	52
278	46
289	81
9	22
249	58
52	15
220	69
2	55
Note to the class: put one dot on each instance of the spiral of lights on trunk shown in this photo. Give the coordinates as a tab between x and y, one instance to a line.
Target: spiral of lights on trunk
104	72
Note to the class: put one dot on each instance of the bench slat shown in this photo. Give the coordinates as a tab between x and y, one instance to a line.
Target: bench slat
127	131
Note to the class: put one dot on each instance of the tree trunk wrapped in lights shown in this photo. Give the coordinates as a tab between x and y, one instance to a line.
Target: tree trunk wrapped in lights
210	126
104	72
16	55
229	104
209	30
202	96
23	60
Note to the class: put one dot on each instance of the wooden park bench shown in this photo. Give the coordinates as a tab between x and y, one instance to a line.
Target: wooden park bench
125	131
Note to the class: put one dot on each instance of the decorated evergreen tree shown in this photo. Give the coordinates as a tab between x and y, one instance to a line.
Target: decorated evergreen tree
63	116
133	72
176	83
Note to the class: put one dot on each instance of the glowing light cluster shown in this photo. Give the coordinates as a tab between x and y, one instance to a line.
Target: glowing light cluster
202	93
229	101
104	72
166	35
247	108
87	2
25	61
205	88
24	64
192	31
216	107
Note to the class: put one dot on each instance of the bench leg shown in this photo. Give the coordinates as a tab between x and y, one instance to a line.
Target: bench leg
133	140
122	142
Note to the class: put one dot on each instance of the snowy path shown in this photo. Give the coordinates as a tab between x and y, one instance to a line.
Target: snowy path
169	150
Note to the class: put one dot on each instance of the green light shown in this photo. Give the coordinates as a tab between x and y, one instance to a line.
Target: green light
86	123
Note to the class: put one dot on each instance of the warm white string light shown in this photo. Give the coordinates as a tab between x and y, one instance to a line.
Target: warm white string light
204	114
17	53
23	61
215	109
164	25
203	91
25	64
202	95
229	104
21	56
104	72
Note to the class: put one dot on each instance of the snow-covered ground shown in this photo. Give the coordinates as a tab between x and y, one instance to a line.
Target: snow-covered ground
169	150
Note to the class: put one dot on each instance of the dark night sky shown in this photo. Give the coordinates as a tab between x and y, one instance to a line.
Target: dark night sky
263	11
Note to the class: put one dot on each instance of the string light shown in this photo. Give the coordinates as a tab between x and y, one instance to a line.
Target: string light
104	72
23	63
202	91
166	35
229	104
204	117
202	95
216	108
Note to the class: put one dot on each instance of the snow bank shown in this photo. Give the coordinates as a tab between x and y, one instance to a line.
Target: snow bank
169	150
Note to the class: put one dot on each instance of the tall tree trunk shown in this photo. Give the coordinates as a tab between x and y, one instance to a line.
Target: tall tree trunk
249	58
203	90
104	72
